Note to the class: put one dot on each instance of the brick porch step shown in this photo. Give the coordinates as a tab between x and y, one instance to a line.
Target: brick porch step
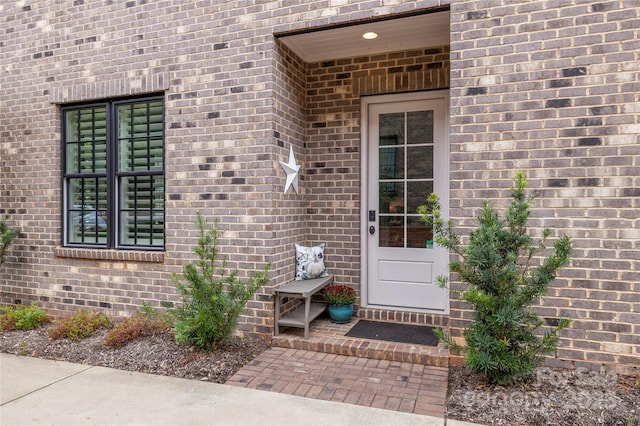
327	337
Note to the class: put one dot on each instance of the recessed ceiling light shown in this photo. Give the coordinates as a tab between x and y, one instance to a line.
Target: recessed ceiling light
370	35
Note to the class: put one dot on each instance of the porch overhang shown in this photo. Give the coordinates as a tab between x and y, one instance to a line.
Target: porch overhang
416	31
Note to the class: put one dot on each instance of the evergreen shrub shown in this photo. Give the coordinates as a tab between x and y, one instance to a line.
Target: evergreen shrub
505	271
212	297
7	235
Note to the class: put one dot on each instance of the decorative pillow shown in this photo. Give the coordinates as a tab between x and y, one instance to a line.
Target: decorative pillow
310	262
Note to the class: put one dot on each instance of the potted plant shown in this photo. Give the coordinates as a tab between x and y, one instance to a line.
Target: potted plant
340	300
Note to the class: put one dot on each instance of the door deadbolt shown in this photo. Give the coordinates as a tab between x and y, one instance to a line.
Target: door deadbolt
372	230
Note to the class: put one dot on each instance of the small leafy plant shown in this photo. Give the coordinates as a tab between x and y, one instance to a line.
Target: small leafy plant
78	326
212	298
22	317
505	273
339	295
147	322
7	235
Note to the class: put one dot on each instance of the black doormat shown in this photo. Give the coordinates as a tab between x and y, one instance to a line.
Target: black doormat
394	332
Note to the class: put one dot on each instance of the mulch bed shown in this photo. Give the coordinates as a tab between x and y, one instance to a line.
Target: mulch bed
158	354
552	397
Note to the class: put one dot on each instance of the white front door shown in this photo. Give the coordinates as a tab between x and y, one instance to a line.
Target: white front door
406	146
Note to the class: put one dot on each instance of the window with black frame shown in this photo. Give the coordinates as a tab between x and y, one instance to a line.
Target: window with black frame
114	174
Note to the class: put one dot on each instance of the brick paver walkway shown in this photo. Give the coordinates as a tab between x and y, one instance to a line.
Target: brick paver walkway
391	385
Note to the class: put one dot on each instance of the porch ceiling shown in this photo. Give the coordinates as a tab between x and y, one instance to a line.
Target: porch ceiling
413	32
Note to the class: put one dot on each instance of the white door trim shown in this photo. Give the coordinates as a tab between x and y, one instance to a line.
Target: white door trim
366	101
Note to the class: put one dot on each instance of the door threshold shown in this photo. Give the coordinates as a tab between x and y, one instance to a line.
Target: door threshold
404	316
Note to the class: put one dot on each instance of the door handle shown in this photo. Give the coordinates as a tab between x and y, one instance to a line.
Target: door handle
372	229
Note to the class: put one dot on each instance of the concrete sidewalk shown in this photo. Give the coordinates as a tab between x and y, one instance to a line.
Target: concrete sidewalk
35	391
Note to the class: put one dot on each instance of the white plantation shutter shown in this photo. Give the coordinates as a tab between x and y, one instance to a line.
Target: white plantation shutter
132	134
86	167
140	181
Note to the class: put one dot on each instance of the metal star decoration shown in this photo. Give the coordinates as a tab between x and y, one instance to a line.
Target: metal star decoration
291	169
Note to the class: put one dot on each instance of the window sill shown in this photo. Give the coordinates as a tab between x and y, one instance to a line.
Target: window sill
110	255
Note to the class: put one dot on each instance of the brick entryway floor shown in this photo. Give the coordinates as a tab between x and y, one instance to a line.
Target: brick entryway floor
382	383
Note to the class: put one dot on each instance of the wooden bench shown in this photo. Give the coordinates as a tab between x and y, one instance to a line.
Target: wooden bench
307	312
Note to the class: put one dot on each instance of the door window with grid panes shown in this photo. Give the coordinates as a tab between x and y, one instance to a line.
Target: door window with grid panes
114	174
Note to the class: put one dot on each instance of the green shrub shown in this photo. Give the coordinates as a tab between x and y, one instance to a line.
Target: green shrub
505	272
78	326
22	317
212	299
147	322
7	235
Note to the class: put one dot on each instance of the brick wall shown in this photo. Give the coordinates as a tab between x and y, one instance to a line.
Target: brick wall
553	90
219	140
235	102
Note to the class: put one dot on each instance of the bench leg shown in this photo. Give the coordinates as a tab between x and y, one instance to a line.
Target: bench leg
307	310
276	326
